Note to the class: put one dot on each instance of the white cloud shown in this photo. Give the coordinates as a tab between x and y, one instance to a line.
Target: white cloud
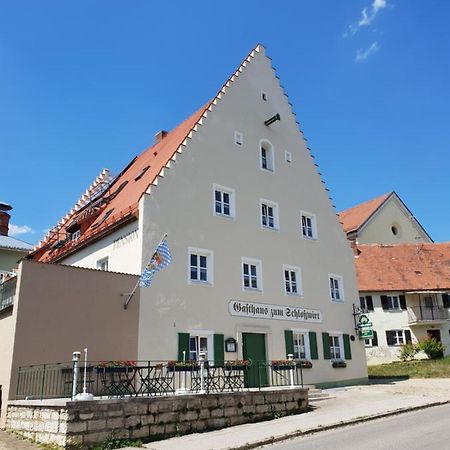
362	55
15	230
368	15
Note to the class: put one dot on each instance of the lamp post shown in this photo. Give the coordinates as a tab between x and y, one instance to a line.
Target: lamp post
75	358
290	358
201	358
84	395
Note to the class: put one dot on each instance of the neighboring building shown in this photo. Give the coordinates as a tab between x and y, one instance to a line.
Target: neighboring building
11	249
258	253
382	220
405	289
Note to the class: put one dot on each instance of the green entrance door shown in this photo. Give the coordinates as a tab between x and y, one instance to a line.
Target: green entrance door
254	349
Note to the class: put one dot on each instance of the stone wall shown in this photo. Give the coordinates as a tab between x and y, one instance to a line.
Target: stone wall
80	424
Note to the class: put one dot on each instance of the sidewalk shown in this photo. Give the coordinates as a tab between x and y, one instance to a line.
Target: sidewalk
348	405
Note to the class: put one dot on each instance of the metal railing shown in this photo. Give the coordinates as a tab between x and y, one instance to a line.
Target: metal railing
426	313
153	378
7	293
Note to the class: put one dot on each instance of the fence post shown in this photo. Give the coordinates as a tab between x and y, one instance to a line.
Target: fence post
290	358
42	382
75	358
201	358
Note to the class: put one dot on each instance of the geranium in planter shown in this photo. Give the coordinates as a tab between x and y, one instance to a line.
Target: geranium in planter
339	363
282	364
304	364
115	366
183	366
237	364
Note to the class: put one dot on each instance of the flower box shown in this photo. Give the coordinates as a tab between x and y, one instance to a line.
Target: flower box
238	364
113	369
339	364
186	366
304	364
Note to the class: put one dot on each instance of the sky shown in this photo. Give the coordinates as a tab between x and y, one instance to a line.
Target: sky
86	84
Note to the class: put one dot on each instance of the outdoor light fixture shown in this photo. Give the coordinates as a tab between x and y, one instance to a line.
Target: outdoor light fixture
272	120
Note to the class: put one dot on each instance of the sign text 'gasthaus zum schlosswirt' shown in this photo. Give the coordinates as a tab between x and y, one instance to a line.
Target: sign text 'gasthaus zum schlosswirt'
276	312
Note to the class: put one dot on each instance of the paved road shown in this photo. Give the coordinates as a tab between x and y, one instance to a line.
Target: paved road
428	428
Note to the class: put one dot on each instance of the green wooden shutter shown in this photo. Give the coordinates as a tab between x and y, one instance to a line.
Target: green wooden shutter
183	345
347	348
326	346
313	345
289	342
219	349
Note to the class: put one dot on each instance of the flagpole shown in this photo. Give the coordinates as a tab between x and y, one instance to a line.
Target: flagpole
130	295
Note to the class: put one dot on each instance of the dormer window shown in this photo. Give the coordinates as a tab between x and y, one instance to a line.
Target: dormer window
75	235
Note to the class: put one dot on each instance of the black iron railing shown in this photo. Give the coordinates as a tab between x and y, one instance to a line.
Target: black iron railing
7	293
427	313
153	378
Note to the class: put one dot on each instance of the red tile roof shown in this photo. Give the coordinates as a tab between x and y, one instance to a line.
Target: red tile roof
120	201
403	267
353	219
118	205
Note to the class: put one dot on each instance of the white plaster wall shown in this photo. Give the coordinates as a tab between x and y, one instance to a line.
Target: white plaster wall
378	229
398	320
182	206
123	249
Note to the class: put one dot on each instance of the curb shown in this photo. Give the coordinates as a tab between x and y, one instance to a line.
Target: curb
298	433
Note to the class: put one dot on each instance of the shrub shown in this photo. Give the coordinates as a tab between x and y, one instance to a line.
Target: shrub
408	351
431	347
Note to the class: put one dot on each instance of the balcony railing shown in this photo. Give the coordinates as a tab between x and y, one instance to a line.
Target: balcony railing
7	293
154	378
417	314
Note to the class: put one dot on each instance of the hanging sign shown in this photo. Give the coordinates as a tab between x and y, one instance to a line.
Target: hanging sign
275	312
365	330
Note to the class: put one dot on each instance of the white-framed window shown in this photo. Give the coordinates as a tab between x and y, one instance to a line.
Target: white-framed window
238	138
75	235
393	302
269	214
200	266
287	157
224	201
301	344
308	225
102	264
266	155
397	337
336	288
198	344
292	277
252	274
336	346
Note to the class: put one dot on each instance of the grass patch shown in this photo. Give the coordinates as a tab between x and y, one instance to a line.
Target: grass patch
425	368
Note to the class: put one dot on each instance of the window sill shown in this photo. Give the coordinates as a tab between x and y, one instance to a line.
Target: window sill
338	364
199	283
265	227
309	238
225	216
293	294
245	289
337	301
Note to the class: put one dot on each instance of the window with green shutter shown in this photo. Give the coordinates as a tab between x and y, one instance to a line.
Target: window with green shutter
313	345
347	348
289	342
326	346
219	349
183	346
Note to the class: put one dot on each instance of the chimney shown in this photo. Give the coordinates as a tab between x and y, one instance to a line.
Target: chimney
4	218
160	135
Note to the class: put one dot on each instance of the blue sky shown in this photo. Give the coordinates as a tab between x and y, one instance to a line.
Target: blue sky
85	85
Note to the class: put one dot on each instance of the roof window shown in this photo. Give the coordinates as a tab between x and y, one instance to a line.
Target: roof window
141	173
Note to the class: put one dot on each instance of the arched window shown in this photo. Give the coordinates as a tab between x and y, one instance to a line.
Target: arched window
266	155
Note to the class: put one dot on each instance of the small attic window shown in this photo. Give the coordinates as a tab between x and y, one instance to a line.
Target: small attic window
264	96
238	138
141	173
395	229
288	157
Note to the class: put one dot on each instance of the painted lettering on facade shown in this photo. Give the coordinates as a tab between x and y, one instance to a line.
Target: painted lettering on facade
276	312
125	239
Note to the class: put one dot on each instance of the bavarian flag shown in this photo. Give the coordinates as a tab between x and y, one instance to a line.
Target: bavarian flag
160	260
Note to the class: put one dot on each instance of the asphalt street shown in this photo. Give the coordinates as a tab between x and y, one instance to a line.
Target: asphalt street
428	428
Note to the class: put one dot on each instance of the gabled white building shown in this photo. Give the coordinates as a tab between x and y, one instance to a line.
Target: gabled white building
259	255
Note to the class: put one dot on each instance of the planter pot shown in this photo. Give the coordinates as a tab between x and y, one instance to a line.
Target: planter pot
283	366
304	364
183	368
235	367
339	364
113	369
